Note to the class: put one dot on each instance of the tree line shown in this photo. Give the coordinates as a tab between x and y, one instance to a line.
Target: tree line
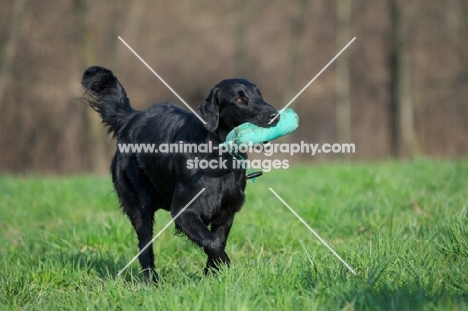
399	90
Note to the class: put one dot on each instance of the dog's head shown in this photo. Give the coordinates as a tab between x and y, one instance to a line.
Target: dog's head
233	102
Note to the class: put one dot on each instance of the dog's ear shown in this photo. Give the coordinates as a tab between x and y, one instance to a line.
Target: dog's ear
209	110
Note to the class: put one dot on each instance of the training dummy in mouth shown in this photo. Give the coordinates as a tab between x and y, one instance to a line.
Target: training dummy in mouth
248	133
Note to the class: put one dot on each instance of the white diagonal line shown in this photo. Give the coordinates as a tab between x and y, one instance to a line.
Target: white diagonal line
310	82
313	231
160	232
162	80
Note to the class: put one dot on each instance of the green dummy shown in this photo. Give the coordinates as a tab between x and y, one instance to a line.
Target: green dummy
250	133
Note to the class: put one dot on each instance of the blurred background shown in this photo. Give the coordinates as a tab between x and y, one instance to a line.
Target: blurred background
399	91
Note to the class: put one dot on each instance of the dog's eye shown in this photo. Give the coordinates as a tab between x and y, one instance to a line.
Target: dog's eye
239	100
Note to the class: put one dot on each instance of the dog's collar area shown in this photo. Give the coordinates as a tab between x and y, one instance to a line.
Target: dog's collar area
252	175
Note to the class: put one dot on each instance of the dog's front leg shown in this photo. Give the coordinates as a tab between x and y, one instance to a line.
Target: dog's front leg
222	232
191	224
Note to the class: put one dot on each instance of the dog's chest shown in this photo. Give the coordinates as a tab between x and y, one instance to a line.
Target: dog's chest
227	199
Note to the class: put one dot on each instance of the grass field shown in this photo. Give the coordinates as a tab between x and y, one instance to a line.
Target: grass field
402	226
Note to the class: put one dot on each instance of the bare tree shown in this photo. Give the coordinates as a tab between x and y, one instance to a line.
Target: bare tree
402	110
115	18
96	137
241	44
298	26
343	104
9	49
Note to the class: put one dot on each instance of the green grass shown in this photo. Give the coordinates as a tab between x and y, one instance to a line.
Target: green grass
402	226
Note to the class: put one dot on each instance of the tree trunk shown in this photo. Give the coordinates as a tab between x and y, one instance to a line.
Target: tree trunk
9	49
402	110
96	138
241	41
115	17
343	105
298	26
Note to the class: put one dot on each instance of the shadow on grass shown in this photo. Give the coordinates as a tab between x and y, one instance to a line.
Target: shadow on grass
376	294
403	297
107	266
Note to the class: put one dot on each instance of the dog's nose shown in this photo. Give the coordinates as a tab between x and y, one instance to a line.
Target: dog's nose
275	116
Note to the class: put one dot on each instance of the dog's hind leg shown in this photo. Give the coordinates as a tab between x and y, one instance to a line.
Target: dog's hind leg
132	188
143	224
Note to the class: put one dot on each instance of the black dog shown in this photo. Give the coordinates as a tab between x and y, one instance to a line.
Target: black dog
146	182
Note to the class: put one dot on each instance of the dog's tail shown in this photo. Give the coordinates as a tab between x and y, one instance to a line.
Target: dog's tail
107	96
